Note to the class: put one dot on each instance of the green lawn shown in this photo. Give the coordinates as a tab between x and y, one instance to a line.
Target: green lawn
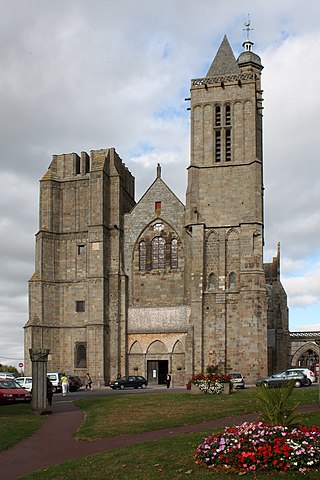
164	459
120	415
18	422
127	414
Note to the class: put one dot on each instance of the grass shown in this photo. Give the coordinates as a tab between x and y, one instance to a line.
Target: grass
127	414
165	459
18	422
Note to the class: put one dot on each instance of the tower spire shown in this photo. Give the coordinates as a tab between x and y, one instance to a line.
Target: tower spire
224	62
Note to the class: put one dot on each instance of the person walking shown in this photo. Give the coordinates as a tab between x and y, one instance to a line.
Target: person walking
88	382
49	392
64	383
168	381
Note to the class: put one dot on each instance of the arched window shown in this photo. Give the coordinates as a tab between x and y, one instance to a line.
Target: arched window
81	356
174	253
211	281
217	134
218	116
228	134
142	256
232	280
228	115
158	253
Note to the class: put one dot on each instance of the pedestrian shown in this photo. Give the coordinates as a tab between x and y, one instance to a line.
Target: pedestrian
64	383
88	382
49	392
168	381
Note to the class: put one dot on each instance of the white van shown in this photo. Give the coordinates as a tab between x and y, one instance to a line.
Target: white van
25	382
55	379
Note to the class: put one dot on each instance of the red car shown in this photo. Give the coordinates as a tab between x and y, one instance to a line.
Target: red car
12	392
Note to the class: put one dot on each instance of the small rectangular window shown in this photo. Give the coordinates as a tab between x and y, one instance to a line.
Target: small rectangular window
80	306
157	206
81	249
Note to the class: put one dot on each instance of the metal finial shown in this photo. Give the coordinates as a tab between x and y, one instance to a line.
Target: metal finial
247	26
158	170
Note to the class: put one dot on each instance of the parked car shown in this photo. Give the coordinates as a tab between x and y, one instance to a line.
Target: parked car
306	371
74	383
12	392
55	379
237	379
281	378
129	382
7	375
25	382
79	381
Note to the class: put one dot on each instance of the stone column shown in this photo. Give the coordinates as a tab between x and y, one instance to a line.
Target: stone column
39	360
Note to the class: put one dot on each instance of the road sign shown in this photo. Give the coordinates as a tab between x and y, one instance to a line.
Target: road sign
20	365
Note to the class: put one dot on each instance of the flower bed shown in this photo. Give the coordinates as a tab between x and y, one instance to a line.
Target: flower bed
256	446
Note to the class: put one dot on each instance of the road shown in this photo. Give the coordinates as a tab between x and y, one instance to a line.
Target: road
106	391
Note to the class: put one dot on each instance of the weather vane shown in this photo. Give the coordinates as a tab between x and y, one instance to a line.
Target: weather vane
247	26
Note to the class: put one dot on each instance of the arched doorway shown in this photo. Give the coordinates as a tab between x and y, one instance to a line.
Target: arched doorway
157	363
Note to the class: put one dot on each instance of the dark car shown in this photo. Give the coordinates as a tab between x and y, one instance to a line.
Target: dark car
12	392
74	383
282	378
237	379
129	382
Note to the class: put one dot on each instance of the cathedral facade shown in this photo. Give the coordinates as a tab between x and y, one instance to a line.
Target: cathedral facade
157	286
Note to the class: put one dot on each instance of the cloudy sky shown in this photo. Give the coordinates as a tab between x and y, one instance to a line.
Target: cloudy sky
78	75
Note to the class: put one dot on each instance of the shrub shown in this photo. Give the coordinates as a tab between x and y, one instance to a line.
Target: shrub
276	406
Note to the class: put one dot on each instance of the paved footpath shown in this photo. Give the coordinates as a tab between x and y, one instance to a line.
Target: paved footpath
54	443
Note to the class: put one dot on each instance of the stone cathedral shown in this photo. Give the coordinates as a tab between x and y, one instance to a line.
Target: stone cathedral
157	286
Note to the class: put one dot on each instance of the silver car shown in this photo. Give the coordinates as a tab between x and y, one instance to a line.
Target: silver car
237	379
280	379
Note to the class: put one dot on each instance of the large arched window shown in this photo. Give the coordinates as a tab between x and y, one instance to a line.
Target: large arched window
158	253
142	256
232	280
211	281
174	253
81	355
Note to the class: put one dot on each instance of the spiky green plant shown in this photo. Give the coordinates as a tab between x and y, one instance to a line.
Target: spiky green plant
276	406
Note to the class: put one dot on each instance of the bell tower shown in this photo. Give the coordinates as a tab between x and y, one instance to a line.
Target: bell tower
224	216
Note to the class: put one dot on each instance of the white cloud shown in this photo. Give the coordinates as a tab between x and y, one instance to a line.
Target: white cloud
308	327
304	290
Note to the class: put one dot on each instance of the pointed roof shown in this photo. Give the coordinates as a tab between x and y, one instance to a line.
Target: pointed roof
224	62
